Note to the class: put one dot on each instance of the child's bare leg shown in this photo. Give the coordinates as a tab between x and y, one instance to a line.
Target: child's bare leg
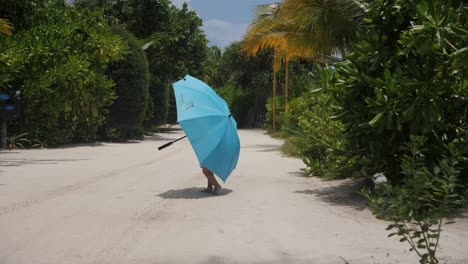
212	180
209	187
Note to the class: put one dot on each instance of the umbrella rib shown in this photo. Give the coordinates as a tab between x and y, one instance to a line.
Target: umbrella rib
206	94
219	140
232	156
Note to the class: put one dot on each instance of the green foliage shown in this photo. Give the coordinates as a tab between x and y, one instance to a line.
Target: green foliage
160	102
229	93
402	98
178	50
141	17
172	109
212	69
6	27
298	79
131	78
18	141
313	133
251	74
39	143
403	80
279	112
173	42
254	76
239	102
318	138
417	207
58	63
245	114
298	84
20	13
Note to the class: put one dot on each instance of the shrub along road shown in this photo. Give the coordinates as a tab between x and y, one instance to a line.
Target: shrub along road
130	203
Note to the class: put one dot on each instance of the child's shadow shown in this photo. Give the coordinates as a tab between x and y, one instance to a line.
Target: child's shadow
191	193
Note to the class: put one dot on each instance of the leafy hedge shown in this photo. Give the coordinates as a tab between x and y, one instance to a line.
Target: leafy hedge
406	76
131	77
58	63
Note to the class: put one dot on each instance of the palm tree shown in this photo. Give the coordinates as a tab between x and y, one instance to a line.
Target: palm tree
327	26
305	28
302	28
6	27
260	36
211	70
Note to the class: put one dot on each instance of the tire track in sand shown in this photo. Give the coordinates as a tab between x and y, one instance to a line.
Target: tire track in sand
75	187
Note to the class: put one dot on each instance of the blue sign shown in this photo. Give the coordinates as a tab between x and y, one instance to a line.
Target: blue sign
4	96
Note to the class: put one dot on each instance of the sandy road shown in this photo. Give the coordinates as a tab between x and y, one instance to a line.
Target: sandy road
129	203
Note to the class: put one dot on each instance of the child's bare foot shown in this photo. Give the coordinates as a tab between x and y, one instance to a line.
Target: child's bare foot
208	189
216	189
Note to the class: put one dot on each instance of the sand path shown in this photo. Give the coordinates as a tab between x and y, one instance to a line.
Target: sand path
128	203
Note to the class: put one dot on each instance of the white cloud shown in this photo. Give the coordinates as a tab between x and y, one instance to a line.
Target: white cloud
221	33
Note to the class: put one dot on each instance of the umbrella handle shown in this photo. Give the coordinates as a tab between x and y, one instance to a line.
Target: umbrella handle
170	143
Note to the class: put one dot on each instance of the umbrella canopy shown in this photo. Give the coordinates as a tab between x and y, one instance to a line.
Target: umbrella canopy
208	125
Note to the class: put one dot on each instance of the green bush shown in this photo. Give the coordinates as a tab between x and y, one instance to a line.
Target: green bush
242	109
418	206
312	132
131	78
160	102
279	113
242	105
406	76
229	92
58	63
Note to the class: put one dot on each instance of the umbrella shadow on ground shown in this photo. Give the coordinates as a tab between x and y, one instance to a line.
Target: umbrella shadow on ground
191	193
340	193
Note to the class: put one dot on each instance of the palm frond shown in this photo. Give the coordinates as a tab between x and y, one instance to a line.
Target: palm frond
303	28
6	27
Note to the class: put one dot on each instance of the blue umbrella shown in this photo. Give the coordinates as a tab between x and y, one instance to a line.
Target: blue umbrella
208	125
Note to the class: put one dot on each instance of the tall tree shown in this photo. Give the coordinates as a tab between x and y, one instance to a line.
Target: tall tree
253	77
174	44
211	74
143	17
180	49
304	28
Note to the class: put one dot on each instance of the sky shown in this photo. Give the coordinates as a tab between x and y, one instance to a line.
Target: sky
224	21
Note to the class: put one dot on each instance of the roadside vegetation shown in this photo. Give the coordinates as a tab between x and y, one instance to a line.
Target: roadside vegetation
97	70
364	89
394	111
